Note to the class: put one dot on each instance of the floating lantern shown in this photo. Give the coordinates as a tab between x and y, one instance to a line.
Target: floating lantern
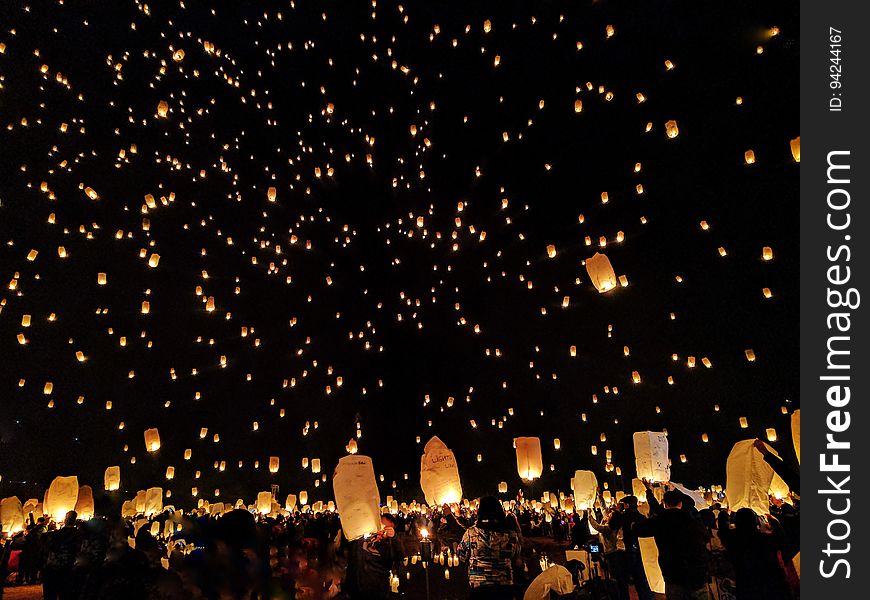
651	455
530	463
356	496
273	464
601	272
112	479
152	440
439	474
671	129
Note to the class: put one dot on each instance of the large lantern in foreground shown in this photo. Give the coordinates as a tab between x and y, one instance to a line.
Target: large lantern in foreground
356	496
530	463
651	456
601	272
61	497
439	475
153	501
748	478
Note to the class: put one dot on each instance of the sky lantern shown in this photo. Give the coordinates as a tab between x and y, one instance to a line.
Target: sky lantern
153	501
530	463
671	129
795	146
439	474
264	503
315	465
651	456
162	109
274	462
112	479
748	478
796	433
290	502
11	515
601	272
749	157
85	503
585	486
152	440
61	497
357	498
272	194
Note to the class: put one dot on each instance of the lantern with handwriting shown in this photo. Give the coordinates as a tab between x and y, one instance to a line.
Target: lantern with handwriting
530	463
439	475
356	496
651	456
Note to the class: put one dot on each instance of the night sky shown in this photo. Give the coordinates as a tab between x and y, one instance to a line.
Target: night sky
424	157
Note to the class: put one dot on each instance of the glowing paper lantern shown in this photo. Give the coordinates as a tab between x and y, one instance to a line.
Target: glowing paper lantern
315	465
748	478
585	486
530	463
272	194
273	464
356	496
162	109
128	509
85	503
303	497
112	478
290	502
649	555
638	489
139	501
352	446
11	515
61	497
439	475
601	272
671	129
153	501
796	433
152	440
651	456
264	503
503	487
796	148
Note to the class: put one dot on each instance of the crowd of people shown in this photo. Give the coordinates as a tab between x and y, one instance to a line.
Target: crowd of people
704	552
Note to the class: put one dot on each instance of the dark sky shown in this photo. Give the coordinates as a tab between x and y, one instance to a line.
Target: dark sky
291	89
